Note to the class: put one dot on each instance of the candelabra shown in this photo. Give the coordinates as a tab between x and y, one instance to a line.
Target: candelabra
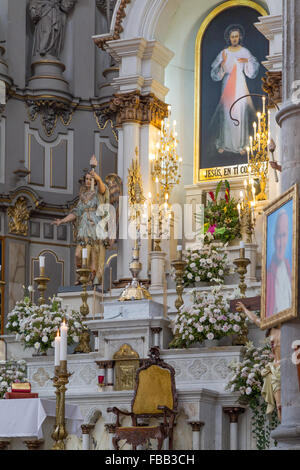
60	380
259	145
135	291
179	267
246	210
166	168
42	281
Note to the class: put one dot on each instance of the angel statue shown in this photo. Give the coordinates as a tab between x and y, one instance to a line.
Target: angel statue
49	17
94	219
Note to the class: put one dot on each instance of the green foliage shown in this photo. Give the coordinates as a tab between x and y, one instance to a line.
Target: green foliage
221	217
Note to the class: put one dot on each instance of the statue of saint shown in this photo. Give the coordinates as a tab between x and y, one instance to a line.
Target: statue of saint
89	214
49	17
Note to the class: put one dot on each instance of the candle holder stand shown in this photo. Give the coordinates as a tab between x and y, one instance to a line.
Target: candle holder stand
241	264
42	282
179	266
84	340
84	275
60	380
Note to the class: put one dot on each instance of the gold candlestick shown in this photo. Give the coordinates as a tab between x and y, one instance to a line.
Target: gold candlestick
60	380
241	264
42	282
84	275
179	266
84	340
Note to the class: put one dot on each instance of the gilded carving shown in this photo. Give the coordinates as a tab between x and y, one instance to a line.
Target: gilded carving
19	215
126	365
50	111
134	107
272	85
41	377
118	29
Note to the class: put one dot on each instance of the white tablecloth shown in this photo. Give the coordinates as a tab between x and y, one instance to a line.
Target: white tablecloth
24	418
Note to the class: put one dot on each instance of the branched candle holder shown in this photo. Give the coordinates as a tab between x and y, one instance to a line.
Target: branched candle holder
179	266
42	282
60	380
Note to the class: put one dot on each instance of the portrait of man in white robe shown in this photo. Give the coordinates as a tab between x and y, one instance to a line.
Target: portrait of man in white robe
233	66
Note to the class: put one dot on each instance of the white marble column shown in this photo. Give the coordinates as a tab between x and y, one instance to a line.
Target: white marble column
288	433
156	336
196	430
157	269
233	412
111	429
86	436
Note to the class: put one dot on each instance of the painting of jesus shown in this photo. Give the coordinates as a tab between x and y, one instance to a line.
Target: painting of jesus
233	66
229	54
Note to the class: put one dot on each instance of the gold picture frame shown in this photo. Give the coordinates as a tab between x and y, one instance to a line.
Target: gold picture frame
270	281
222	172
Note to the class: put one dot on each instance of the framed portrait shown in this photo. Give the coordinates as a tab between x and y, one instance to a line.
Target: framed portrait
228	65
280	260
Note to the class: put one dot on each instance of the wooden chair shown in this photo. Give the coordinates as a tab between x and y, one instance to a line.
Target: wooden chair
154	397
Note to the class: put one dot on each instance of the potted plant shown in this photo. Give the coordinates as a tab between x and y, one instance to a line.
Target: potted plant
221	217
247	380
36	326
207	318
206	265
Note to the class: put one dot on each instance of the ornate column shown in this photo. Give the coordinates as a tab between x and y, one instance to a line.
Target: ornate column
110	374
111	429
139	106
158	261
86	435
233	412
196	430
156	334
272	28
288	433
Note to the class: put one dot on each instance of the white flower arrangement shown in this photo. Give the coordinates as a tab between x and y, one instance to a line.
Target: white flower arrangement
36	326
247	376
11	372
208	264
207	318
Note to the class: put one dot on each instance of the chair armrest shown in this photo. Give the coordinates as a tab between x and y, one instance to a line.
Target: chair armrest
167	410
116	411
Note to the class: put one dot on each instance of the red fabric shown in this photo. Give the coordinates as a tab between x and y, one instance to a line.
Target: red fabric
212	195
229	90
18	395
271	276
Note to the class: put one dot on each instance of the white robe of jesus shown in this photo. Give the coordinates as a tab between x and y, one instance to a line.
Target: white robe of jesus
232	138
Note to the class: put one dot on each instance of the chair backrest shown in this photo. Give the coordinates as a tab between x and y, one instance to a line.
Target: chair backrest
155	386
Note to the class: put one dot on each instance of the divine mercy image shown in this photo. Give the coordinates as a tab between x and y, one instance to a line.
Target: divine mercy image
233	66
230	58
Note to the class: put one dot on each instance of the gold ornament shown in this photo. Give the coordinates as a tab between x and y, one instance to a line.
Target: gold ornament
18	217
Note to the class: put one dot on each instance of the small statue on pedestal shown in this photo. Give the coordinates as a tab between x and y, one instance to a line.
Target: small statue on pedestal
93	219
49	17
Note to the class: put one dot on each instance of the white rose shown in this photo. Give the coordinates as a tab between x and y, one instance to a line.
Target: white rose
37	345
190	276
75	339
210	336
248	391
45	339
28	337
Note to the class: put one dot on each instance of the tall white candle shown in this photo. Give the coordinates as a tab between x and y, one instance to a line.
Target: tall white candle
42	261
84	257
57	349
242	245
63	341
